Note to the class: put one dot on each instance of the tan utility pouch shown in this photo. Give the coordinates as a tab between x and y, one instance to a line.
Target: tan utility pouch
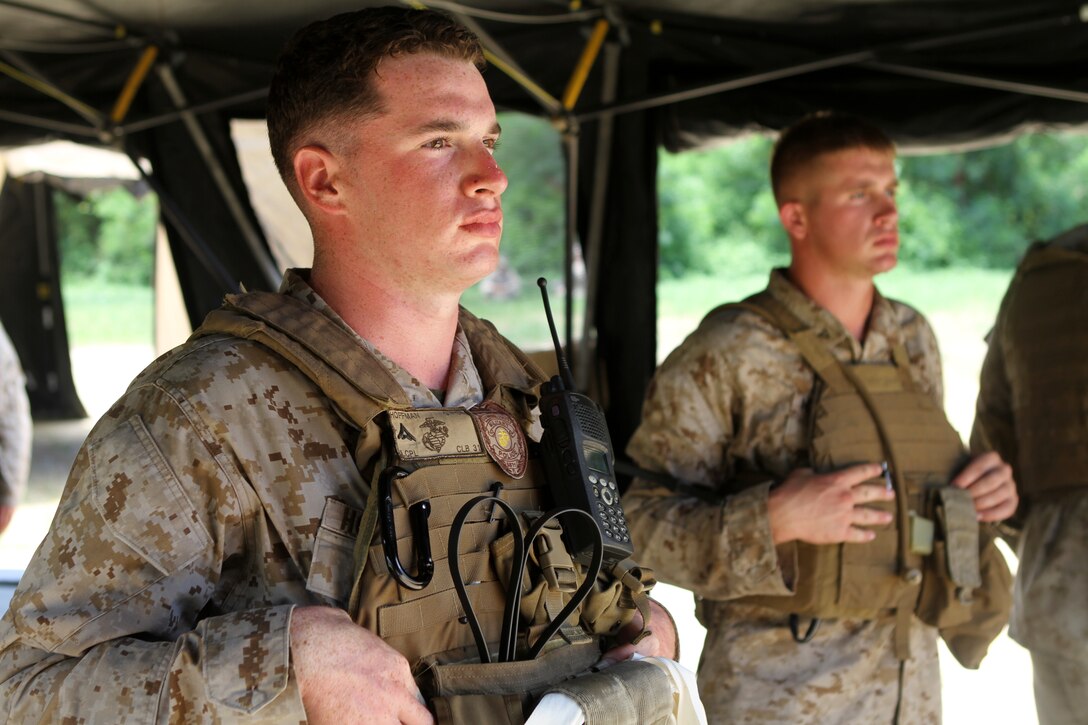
952	572
500	693
967	589
969	641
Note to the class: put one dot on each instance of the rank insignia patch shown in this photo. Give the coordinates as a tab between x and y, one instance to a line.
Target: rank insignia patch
434	433
502	438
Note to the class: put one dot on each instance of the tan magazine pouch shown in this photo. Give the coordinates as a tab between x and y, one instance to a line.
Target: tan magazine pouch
952	572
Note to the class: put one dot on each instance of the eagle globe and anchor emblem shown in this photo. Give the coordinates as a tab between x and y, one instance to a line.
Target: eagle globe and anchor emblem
436	435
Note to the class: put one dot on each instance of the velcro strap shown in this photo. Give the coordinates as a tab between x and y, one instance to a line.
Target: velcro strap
960	524
635	579
637	582
367	525
570	630
554	560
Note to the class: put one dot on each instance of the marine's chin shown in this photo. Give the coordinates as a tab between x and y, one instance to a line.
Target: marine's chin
884	263
480	262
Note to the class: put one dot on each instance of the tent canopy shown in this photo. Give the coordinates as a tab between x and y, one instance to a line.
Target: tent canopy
163	78
931	72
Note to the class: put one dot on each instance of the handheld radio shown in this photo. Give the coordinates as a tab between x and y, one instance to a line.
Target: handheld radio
578	461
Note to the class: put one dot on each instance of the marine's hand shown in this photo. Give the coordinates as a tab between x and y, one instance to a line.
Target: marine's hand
828	508
347	674
989	481
662	641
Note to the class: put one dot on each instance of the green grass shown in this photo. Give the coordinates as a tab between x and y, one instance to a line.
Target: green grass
962	291
98	313
969	294
696	295
954	290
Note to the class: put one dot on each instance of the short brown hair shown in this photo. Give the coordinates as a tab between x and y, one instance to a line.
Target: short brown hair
821	133
324	74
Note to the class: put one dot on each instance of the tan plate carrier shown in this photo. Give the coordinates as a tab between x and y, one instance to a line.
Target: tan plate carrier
868	413
446	456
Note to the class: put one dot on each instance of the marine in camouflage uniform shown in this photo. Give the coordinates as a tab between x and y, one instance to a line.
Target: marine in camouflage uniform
211	559
776	514
214	497
186	535
733	399
15	430
1033	409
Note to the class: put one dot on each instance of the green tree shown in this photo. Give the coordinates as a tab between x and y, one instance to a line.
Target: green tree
996	201
717	211
77	234
980	208
109	235
533	204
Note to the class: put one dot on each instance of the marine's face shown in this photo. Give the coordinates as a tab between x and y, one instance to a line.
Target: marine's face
847	199
424	186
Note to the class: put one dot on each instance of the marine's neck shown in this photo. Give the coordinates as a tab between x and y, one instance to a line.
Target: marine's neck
415	331
849	299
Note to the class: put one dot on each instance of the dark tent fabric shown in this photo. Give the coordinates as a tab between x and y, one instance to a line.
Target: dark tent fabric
684	72
30	297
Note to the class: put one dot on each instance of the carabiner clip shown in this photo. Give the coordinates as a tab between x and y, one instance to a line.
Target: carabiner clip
418	514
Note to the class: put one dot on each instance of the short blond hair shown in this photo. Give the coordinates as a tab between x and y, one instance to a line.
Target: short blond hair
817	134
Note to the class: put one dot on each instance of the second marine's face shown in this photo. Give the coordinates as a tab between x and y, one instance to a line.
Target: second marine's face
850	219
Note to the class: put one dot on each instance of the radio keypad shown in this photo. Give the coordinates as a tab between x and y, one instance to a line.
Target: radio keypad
613	523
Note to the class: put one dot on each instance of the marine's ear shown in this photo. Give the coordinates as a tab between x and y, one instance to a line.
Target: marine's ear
318	176
794	221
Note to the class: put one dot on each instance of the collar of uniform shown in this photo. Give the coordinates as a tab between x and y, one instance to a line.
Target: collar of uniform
463	385
884	329
880	333
825	324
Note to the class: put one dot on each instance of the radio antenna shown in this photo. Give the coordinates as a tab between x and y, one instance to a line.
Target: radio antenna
564	371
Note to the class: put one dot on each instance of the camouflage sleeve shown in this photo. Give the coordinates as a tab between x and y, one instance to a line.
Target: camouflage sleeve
15	425
933	368
719	551
925	354
114	620
717	547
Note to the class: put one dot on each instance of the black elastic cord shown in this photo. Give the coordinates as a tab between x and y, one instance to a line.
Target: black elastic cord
795	628
508	636
512	602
